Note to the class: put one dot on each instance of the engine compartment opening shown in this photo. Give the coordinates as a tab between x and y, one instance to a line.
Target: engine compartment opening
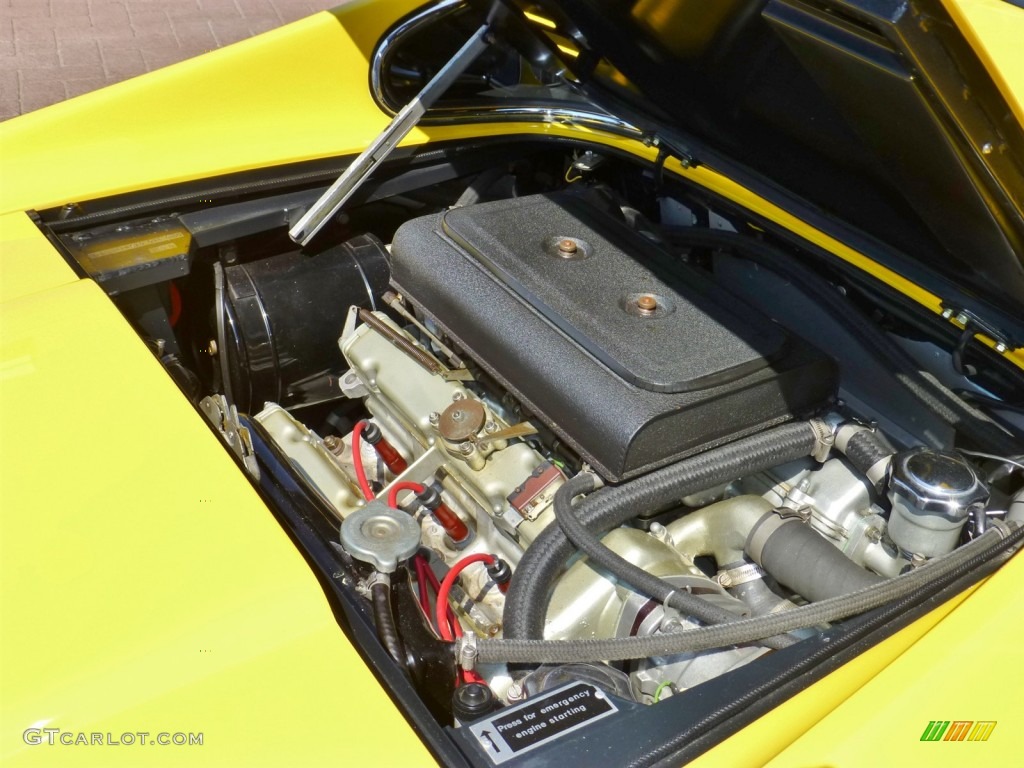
577	438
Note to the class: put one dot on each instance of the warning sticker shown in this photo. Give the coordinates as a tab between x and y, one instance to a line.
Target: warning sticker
541	719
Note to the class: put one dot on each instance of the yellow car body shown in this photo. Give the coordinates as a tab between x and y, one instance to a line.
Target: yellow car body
134	602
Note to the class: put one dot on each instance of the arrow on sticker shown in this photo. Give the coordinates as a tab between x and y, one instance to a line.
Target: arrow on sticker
487	735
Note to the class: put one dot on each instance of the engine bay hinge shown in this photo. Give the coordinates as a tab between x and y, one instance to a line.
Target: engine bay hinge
667	150
972	325
224	418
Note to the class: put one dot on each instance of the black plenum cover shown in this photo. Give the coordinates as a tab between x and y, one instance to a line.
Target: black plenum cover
629	392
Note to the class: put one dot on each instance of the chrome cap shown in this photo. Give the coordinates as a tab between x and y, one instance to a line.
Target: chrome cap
936	482
381	536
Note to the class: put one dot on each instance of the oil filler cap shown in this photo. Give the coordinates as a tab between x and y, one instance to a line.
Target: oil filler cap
381	536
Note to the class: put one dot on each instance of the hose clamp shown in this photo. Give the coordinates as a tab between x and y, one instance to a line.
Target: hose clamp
824	439
1004	527
741	574
878	472
466	651
595	479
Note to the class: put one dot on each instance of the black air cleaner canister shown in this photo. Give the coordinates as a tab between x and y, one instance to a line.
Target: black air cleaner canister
635	358
284	314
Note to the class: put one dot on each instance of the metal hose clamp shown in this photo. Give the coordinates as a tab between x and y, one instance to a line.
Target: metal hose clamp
741	574
824	439
466	651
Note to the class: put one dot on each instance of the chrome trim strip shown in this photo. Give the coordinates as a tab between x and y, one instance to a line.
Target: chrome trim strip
533	114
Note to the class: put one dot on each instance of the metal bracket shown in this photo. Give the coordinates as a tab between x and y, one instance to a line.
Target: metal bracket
670	149
420	356
466	651
352	386
395	302
224	418
973	325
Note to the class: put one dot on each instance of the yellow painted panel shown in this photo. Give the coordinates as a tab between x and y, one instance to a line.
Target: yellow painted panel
970	667
28	263
292	94
995	29
297	93
146	587
756	744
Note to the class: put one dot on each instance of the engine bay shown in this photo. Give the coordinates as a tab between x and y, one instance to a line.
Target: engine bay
579	438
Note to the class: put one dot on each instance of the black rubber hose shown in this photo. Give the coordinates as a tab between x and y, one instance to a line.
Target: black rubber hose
759	597
527	597
803	560
632	575
945	404
866	449
967	574
932	575
387	631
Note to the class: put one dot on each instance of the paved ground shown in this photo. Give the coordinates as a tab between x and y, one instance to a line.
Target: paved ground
51	50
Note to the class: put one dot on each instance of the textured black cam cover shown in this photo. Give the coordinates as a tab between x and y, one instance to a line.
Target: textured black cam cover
562	331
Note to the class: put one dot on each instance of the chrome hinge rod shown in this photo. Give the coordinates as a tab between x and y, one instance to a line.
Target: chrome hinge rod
324	209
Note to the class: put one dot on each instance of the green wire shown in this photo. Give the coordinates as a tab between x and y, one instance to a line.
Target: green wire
659	689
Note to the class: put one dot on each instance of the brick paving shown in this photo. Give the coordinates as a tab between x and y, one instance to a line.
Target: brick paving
51	50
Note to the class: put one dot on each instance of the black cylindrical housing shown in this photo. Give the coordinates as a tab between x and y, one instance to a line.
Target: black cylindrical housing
284	315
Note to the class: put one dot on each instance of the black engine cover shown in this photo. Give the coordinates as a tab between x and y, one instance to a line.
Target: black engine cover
570	329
